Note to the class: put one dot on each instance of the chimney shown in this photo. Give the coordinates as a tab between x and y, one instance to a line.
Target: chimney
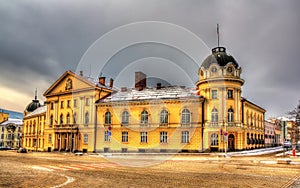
140	81
111	83
81	73
102	80
158	86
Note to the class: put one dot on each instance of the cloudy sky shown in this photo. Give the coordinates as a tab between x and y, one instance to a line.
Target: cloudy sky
40	40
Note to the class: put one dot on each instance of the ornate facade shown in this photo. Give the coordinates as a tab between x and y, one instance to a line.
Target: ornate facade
82	114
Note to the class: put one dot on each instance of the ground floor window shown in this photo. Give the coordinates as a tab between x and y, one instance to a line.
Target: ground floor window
124	136
86	138
144	137
214	140
50	138
107	136
185	137
163	137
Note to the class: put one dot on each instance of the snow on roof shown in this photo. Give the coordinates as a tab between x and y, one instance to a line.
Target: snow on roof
37	111
284	118
172	92
13	121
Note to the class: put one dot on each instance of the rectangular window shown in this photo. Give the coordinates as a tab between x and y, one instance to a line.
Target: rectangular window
2	136
214	94
144	137
86	138
107	135
2	129
163	137
87	102
61	104
230	94
51	105
75	103
185	137
69	103
124	136
50	138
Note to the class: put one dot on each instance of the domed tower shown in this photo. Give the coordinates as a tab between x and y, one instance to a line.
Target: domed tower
220	83
33	105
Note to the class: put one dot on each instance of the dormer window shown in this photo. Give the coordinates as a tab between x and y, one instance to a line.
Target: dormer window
214	69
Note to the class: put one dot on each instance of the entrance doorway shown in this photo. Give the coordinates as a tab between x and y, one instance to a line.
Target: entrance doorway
231	142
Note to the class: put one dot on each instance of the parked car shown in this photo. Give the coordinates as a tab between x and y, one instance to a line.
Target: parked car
22	150
287	144
298	146
5	148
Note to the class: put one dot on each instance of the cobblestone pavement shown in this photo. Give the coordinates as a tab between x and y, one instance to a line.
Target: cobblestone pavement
67	170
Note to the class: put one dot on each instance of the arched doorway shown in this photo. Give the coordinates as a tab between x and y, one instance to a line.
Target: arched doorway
231	142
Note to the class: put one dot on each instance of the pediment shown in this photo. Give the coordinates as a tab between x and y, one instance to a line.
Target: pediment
69	82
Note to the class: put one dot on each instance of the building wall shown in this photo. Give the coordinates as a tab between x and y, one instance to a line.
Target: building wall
270	134
173	128
3	116
34	132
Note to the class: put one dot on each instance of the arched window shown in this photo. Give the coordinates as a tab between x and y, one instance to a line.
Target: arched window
61	119
107	118
214	141
144	117
214	115
185	116
51	120
75	118
125	118
86	118
230	115
68	118
164	117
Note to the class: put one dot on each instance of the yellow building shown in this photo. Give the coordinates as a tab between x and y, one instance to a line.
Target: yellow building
83	114
34	129
70	115
219	119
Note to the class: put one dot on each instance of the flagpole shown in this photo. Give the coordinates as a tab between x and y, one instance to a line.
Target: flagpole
218	35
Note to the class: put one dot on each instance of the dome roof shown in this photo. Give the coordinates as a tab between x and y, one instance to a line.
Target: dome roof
33	105
220	57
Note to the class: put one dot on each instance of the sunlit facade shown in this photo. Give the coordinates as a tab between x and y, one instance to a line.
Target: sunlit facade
83	114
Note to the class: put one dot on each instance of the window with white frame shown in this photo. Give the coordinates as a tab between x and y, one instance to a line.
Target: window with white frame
86	118
87	101
68	119
107	136
185	137
125	118
86	138
214	115
124	136
50	138
144	117
230	115
144	137
230	94
107	118
214	140
164	117
214	94
61	119
163	137
185	116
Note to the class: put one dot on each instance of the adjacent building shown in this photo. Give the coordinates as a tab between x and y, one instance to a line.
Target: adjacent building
11	133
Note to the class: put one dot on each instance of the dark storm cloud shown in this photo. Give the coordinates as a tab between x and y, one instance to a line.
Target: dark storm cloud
39	40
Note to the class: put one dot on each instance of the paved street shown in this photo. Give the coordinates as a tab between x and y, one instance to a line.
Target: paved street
98	170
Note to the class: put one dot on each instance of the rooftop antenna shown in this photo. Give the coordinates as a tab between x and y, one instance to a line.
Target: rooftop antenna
218	35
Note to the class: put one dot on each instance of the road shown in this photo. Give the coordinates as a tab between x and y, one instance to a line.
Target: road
67	170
